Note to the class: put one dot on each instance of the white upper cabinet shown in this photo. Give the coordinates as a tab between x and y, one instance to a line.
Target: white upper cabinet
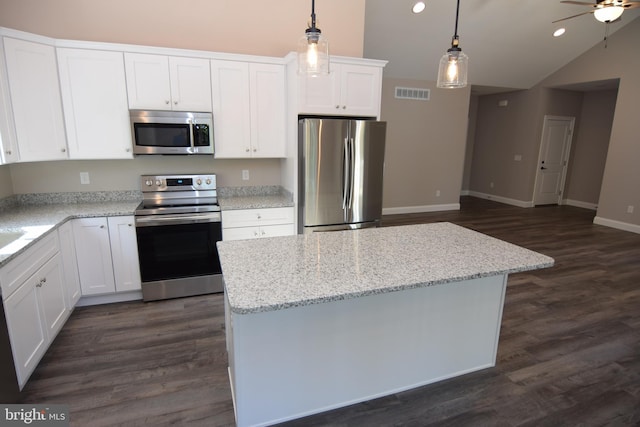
94	97
8	141
158	82
248	109
35	100
349	89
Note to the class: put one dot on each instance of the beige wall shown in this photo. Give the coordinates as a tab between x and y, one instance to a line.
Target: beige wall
425	145
6	185
110	175
502	133
620	59
590	146
256	27
471	134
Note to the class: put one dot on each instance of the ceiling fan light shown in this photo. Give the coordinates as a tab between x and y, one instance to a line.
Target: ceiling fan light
608	13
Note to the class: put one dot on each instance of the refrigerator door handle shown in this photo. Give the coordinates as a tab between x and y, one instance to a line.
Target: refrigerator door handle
346	164
352	168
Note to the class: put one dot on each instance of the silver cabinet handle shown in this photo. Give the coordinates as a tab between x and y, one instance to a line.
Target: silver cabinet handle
64	150
8	152
166	102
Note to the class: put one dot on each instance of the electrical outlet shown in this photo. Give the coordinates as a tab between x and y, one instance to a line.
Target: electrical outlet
84	178
517	157
491	184
630	209
437	193
245	175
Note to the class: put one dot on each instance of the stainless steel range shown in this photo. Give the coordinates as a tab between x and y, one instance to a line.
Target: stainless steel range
177	225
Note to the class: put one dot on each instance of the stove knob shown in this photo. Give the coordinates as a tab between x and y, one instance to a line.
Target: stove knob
158	182
149	183
208	181
199	181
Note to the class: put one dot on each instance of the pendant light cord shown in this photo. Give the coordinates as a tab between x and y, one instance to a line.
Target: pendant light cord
455	33
313	13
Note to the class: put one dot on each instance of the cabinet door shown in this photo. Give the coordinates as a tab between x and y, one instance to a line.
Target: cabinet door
35	98
360	89
148	85
190	84
267	90
69	264
231	108
124	252
52	296
320	94
8	140
26	329
94	97
93	252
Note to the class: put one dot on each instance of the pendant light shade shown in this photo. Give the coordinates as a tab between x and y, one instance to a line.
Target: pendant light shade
454	64
313	50
608	14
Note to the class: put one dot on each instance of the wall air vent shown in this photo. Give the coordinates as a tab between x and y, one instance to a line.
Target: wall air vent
412	93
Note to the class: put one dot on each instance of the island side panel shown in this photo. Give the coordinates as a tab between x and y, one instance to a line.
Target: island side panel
298	361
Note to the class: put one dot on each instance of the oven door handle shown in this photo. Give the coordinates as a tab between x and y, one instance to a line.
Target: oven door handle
155	220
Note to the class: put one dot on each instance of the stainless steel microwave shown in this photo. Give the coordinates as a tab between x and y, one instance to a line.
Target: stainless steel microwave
171	132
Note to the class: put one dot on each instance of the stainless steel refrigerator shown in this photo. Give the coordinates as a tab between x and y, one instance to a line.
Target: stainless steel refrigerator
341	163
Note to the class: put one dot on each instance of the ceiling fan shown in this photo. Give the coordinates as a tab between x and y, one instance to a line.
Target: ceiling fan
606	11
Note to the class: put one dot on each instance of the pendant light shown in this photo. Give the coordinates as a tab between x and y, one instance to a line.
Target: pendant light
454	64
313	50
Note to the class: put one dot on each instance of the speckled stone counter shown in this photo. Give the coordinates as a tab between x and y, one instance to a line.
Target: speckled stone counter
320	267
319	321
37	215
233	198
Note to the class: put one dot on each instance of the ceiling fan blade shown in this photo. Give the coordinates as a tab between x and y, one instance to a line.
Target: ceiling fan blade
573	16
579	3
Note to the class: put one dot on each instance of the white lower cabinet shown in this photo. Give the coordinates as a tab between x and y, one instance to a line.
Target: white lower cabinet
107	254
69	264
257	223
35	303
124	253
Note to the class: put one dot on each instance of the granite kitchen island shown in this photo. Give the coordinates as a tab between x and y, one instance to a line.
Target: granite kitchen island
319	321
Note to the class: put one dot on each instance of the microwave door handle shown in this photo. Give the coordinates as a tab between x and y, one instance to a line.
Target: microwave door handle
191	135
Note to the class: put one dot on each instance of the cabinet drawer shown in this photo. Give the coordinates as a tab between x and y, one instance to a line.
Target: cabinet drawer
241	233
254	217
18	270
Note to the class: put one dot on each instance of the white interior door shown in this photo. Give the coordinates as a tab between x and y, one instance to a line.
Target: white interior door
553	159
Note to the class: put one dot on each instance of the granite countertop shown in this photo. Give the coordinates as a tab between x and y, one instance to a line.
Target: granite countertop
37	220
314	268
261	197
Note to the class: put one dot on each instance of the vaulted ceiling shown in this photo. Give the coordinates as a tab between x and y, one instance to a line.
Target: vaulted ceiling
510	43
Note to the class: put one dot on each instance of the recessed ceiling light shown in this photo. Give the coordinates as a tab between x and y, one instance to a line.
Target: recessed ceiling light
558	32
418	7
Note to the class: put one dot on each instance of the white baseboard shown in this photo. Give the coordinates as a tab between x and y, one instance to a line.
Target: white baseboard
625	226
421	209
579	204
506	200
465	193
109	298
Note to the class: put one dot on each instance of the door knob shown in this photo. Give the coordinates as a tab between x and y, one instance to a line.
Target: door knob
543	168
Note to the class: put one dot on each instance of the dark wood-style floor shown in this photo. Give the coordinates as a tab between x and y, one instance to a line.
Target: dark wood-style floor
569	351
